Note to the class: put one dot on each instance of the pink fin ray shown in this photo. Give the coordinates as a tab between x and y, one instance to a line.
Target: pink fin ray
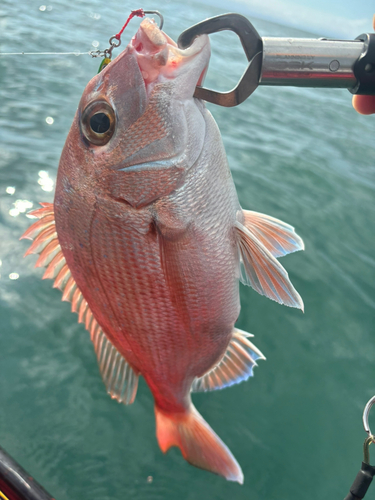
236	365
76	300
88	318
278	237
69	289
48	253
37	227
55	266
120	379
62	277
42	240
47	209
82	311
263	272
94	328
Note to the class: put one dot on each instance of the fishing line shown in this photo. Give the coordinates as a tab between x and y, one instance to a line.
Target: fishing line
44	53
114	42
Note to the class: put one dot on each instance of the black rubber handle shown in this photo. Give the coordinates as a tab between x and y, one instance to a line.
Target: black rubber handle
361	483
16	483
364	67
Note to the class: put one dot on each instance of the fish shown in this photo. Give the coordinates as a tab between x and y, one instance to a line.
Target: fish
147	240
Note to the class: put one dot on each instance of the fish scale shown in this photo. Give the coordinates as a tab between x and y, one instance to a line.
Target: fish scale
126	249
146	298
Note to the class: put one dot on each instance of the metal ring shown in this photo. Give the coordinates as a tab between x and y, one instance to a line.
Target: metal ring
366	413
158	14
114	44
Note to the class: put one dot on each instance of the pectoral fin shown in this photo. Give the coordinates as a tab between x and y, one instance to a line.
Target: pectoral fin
118	376
261	271
278	237
236	365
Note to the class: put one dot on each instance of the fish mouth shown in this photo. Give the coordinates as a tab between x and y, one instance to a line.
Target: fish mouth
160	58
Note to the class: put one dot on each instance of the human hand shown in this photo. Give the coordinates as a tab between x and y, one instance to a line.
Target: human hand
365	104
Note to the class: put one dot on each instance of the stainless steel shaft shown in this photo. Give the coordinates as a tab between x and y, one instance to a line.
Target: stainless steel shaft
306	62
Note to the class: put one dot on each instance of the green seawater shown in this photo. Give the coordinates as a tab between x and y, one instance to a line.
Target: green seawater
302	155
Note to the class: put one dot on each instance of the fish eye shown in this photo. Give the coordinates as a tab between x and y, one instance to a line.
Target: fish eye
98	122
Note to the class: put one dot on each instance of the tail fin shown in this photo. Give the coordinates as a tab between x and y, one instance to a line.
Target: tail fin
198	443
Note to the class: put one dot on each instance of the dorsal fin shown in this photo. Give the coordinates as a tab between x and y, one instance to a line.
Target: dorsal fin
277	236
118	376
120	379
235	366
262	271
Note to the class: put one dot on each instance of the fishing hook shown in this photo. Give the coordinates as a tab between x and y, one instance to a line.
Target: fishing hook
158	14
115	40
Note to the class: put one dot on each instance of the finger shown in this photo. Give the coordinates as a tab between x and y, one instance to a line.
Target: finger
364	104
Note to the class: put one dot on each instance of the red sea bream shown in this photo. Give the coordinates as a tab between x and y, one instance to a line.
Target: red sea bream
147	240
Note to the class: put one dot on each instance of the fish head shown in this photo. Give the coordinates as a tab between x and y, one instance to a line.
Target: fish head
134	112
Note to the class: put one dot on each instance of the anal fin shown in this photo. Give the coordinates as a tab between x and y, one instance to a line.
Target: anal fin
236	365
118	376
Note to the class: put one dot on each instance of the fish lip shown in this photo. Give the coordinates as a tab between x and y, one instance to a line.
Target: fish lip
159	56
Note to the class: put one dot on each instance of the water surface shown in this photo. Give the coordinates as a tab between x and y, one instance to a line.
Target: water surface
302	155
